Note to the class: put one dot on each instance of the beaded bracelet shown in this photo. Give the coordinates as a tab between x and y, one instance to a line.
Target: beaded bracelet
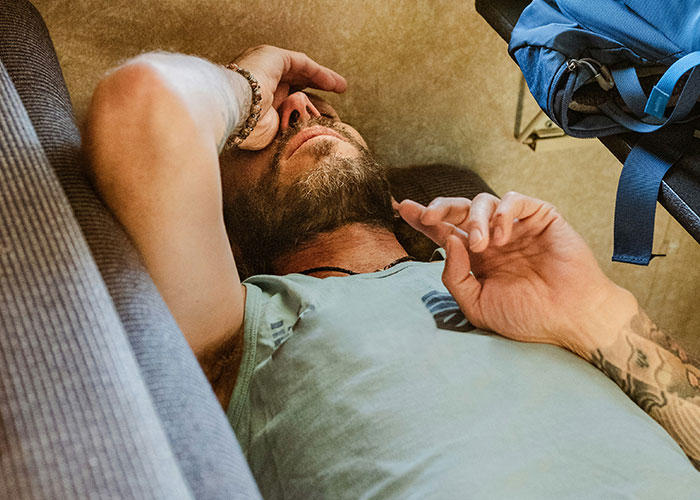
255	107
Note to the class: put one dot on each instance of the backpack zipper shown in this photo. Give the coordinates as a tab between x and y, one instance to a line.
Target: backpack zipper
600	72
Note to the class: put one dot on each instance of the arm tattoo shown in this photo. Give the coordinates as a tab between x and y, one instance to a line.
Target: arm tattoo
658	375
646	396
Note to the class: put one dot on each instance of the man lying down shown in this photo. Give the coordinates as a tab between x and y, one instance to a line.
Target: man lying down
513	369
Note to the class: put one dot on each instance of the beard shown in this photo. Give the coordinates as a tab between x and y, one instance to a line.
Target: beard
271	220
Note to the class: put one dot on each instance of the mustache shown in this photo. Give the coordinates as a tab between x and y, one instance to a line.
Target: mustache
283	137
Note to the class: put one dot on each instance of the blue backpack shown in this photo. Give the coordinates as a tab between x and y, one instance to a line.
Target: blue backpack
601	67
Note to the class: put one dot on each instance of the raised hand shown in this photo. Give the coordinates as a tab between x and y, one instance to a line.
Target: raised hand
516	267
279	70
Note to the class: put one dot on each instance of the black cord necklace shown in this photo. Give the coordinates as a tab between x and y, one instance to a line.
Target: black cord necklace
334	269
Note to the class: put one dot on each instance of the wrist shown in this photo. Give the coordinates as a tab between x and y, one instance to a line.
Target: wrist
602	326
254	109
240	99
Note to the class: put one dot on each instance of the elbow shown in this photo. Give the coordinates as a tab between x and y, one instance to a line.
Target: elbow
137	131
127	88
122	100
125	116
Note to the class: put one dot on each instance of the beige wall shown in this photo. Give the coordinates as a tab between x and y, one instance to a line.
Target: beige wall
429	82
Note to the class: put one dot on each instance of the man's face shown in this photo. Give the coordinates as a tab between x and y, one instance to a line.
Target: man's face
316	176
300	111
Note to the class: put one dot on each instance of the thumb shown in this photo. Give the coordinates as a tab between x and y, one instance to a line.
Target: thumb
280	94
456	276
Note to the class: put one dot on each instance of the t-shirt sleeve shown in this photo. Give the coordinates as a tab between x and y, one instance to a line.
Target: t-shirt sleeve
271	310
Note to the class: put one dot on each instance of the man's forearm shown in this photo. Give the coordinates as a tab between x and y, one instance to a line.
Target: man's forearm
657	375
218	99
151	138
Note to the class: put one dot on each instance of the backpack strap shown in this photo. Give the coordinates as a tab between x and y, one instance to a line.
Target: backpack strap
650	111
638	189
630	89
687	99
651	158
661	93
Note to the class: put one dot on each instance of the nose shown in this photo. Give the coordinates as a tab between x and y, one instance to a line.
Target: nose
295	108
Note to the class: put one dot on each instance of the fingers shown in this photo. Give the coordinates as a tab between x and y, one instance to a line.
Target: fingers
452	210
472	216
302	71
273	66
521	207
458	279
412	213
277	71
486	219
281	93
479	221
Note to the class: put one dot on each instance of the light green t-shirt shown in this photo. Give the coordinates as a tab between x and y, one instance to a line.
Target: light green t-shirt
375	386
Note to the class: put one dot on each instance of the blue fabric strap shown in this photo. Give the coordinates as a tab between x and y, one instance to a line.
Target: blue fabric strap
638	189
648	162
630	90
686	101
658	99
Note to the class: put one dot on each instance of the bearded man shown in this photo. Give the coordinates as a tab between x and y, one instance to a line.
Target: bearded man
513	369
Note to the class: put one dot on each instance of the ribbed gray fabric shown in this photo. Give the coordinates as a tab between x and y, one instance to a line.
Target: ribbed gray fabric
76	418
200	436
